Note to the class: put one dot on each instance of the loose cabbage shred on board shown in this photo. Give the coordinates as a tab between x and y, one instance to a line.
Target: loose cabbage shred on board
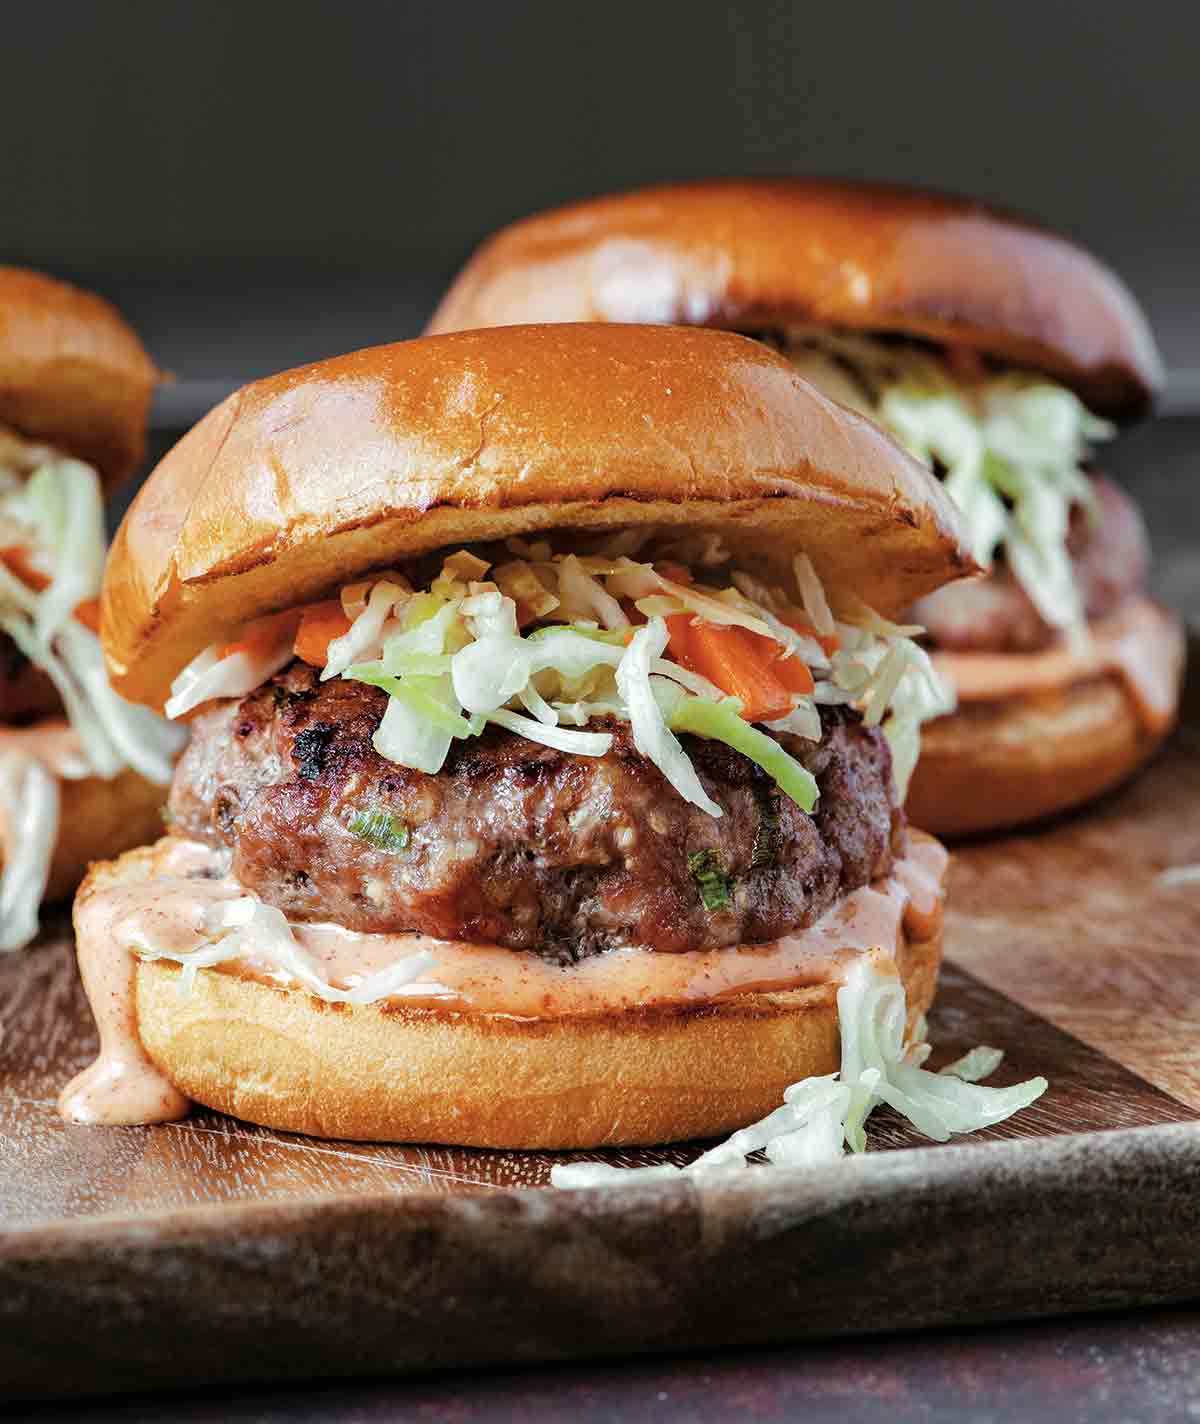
820	1117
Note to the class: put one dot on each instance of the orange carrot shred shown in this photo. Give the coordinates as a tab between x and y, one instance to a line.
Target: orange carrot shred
263	634
320	624
737	661
16	558
88	613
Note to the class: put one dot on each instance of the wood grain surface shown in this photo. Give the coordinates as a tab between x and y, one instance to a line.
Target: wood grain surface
1074	921
209	1249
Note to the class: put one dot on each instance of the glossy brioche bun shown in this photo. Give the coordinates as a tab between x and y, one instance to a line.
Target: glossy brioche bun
301	483
284	1059
991	766
73	374
761	253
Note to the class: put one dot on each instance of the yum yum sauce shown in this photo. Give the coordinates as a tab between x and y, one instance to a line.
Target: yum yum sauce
1127	643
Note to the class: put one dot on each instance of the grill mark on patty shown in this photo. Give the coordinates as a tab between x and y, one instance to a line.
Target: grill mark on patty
311	749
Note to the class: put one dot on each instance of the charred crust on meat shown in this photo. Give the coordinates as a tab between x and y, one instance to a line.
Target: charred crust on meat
310	749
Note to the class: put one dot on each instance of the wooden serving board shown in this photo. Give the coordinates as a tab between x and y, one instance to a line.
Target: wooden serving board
209	1250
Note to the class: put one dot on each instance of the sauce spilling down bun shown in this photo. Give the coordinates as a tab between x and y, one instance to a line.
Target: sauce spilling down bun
998	353
82	773
549	734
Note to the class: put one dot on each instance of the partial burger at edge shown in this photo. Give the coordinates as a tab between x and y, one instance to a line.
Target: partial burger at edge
82	773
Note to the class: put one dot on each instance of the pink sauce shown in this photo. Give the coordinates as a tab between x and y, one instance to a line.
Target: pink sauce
54	742
122	1086
168	911
1128	642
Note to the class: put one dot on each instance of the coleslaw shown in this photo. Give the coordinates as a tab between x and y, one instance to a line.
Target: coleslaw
545	642
1010	443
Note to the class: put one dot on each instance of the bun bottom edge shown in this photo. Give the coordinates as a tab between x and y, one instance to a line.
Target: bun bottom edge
283	1059
996	766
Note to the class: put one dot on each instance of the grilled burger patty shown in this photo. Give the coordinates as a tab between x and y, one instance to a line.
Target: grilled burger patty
995	614
516	844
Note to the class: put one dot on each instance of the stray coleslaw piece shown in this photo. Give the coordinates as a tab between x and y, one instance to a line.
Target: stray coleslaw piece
820	1117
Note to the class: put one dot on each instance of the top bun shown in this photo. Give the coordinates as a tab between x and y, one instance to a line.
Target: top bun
758	253
307	480
72	373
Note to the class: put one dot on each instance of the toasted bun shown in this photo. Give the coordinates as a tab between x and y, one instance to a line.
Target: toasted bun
72	373
305	481
994	765
284	1059
760	253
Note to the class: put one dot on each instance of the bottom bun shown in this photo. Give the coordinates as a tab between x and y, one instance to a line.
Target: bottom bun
991	766
285	1059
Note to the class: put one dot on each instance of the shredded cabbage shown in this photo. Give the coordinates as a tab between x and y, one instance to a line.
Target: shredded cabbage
247	928
720	721
1011	445
29	810
651	734
209	675
821	1116
365	630
68	509
1178	875
975	1065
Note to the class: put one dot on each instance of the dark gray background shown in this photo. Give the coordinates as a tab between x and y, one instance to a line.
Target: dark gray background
261	183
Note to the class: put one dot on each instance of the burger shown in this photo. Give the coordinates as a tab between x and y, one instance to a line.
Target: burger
1000	355
548	739
82	773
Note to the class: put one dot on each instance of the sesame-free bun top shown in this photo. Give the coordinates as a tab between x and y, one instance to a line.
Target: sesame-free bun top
73	374
752	254
306	481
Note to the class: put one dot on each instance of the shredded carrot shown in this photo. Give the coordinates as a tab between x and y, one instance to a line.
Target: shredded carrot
16	558
88	613
739	662
830	642
793	672
320	624
263	634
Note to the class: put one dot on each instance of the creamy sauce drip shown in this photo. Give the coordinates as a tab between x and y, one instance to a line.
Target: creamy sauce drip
54	742
171	910
1128	642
